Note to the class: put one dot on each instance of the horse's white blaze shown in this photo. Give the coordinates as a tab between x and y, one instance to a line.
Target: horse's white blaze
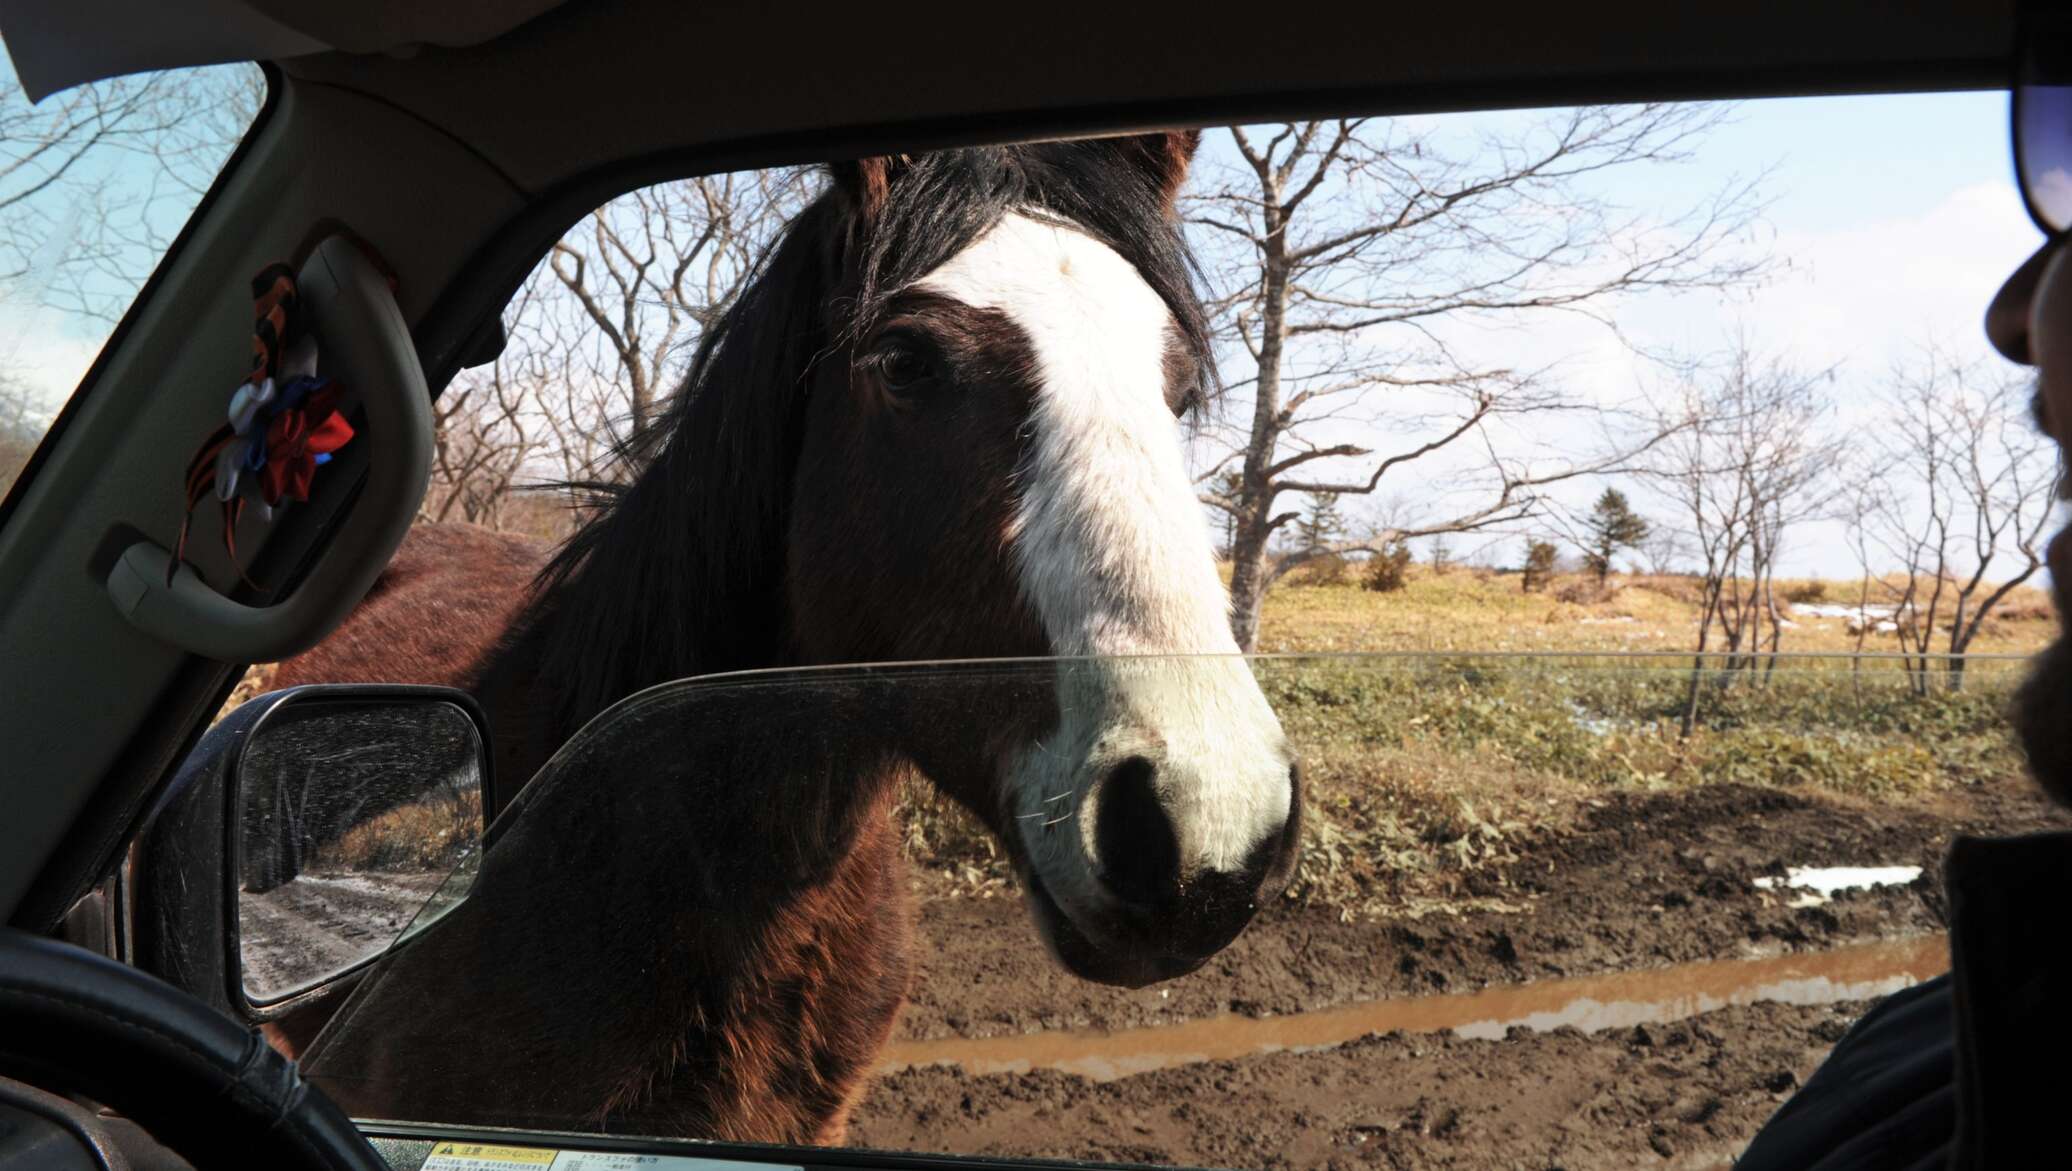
1113	553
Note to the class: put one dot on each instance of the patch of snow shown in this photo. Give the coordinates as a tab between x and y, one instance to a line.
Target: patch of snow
1821	882
1595	725
1838	610
1883	619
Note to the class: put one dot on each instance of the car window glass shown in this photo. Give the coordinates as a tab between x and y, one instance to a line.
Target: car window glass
94	184
1489	843
1629	568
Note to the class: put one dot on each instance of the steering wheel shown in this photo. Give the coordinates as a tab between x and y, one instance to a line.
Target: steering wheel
216	1093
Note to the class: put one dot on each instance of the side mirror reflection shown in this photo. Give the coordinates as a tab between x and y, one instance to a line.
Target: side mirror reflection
349	816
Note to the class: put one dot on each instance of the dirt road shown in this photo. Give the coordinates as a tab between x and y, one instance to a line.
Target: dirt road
318	923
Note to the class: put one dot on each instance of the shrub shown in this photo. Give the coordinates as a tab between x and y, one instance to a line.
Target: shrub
1387	570
1679	587
1430	777
427	834
2028	605
942	835
1539	565
1324	570
1806	591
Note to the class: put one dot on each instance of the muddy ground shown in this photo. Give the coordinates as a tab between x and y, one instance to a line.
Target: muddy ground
1646	880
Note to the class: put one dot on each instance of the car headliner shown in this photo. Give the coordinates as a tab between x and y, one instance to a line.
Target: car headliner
588	85
466	162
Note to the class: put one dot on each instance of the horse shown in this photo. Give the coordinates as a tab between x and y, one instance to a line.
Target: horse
438	608
944	419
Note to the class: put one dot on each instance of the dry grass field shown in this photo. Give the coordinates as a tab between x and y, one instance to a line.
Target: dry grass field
1467	609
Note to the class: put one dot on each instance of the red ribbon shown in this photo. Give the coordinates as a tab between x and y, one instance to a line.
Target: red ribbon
293	441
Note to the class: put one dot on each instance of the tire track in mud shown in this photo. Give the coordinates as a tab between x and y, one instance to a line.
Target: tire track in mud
318	923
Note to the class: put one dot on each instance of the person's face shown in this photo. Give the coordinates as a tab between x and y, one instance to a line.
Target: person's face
2030	321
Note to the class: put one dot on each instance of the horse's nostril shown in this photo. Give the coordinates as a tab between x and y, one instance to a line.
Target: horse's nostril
1138	850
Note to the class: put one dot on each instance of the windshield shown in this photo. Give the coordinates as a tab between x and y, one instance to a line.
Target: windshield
710	881
95	182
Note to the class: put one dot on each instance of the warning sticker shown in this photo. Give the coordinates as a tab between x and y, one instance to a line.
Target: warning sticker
489	1157
622	1161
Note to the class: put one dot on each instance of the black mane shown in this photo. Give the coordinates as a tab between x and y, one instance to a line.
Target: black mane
681	571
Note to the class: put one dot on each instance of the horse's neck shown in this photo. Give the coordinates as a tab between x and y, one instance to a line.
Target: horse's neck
524	729
535	702
814	986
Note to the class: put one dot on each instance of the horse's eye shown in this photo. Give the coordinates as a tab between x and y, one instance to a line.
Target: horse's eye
903	367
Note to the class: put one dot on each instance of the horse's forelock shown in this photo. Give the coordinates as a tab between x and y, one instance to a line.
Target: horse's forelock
1119	192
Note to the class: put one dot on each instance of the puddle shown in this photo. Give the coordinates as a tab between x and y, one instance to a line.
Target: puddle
1588	1003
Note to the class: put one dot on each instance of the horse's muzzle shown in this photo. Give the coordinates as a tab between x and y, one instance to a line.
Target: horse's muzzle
1161	919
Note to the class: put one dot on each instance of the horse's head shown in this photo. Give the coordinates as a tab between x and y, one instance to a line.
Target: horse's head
943	420
989	463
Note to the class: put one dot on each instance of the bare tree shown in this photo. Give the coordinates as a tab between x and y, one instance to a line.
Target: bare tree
639	280
94	181
1960	489
1341	251
594	342
1441	554
488	429
21	425
1666	550
1749	454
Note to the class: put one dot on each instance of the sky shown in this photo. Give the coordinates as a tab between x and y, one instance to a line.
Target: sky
48	349
1897	219
1891	219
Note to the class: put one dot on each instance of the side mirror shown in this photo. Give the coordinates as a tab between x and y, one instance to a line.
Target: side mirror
309	831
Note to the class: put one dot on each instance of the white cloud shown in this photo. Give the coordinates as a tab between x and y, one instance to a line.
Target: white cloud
1870	294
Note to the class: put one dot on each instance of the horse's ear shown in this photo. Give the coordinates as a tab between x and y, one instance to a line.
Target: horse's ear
1163	156
867	182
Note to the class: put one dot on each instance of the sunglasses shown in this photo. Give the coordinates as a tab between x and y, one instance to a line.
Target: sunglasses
2042	120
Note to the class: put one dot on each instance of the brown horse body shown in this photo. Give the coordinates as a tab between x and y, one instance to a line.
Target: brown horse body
433	616
940	423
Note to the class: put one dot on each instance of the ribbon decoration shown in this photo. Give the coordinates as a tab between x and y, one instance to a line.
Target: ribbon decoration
283	421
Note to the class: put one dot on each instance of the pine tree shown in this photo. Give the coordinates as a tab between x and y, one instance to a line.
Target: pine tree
1320	524
1613	525
1539	565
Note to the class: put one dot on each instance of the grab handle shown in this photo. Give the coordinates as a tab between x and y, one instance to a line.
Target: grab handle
364	343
